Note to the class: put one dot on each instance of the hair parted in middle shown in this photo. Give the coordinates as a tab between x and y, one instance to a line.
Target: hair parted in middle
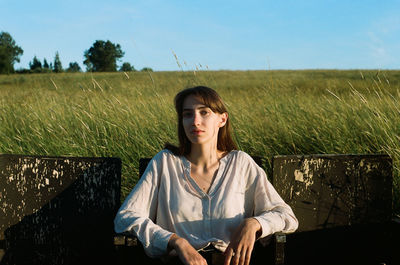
210	98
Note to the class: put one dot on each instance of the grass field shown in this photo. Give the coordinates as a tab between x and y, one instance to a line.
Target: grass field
131	115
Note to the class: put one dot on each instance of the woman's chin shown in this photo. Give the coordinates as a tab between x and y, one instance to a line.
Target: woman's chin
196	140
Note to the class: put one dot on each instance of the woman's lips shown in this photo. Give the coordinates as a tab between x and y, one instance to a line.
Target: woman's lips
197	132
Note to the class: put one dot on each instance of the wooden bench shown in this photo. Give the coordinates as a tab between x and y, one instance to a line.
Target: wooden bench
59	210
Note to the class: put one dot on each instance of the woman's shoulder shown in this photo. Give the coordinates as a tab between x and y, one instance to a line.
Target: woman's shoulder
240	154
166	154
243	159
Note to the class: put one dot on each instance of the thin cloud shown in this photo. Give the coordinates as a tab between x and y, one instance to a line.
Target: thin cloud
384	41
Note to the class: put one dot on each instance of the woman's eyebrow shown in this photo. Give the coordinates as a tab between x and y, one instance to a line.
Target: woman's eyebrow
200	107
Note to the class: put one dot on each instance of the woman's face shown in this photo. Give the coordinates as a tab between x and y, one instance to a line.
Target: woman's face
200	123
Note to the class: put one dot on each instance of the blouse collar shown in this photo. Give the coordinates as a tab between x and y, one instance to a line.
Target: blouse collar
217	180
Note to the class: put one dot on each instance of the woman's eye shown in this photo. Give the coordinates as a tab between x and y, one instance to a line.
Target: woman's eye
187	114
204	112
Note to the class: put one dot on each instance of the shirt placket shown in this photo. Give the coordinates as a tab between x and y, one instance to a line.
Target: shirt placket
206	202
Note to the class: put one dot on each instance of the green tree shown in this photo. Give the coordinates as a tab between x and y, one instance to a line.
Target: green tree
57	67
35	65
103	56
74	67
9	53
46	68
146	69
127	67
45	64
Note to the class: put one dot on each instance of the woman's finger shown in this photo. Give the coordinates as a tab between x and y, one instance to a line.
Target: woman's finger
228	255
238	256
248	256
242	257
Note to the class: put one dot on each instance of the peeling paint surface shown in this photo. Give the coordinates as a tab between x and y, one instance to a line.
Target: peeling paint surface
53	201
335	190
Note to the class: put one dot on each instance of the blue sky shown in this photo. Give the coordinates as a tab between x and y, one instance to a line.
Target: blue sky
215	35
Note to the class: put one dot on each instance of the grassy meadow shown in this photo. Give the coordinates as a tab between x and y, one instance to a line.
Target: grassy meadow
131	115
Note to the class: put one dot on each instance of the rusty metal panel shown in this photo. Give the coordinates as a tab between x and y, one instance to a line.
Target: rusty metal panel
328	191
52	209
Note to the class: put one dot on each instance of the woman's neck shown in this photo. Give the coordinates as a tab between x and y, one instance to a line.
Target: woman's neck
204	156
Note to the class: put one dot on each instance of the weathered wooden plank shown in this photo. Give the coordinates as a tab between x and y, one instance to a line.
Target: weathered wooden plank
335	190
344	207
57	210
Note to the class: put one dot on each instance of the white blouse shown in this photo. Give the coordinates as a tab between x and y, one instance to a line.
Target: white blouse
167	200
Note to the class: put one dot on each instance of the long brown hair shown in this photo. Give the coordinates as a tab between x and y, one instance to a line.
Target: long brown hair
210	98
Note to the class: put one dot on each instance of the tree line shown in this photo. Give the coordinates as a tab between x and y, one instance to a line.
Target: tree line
102	56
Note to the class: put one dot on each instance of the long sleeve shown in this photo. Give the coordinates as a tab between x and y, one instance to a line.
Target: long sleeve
138	212
270	210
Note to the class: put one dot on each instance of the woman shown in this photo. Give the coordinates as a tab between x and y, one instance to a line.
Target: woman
204	193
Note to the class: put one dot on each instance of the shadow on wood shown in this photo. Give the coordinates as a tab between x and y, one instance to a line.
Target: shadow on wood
58	210
366	244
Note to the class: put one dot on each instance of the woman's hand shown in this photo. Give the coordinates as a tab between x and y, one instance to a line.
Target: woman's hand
186	252
239	249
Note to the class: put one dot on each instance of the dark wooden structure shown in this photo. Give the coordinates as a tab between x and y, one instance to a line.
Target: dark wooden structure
344	207
58	210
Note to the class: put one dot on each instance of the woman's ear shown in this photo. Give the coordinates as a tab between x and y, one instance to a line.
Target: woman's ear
224	119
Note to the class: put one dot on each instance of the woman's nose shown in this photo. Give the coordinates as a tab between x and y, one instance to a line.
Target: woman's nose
196	119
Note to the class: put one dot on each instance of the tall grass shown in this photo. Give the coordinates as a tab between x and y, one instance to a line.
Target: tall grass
131	115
